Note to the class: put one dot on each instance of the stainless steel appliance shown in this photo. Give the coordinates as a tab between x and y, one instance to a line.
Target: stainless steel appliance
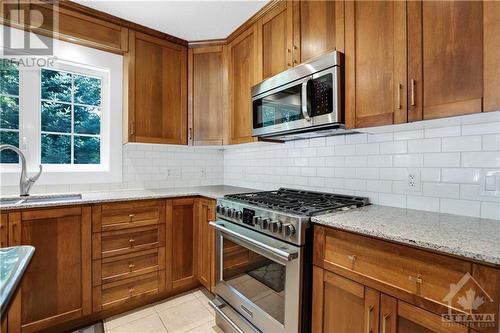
302	102
264	254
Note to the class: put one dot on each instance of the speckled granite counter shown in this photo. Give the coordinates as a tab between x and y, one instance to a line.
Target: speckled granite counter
468	237
214	192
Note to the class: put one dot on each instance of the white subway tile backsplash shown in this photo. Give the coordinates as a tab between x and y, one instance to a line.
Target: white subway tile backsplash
462	143
393	173
442	160
481	129
379	160
490	210
394	147
460	207
430	174
461	175
481	160
442	132
408	135
392	200
491	142
356	138
441	190
408	160
424	146
422	203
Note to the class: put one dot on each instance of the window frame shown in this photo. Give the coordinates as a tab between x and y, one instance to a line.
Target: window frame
79	60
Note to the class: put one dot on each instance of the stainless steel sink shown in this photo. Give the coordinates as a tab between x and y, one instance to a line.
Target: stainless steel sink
40	199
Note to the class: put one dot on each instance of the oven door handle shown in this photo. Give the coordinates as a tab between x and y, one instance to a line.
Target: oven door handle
285	256
305	112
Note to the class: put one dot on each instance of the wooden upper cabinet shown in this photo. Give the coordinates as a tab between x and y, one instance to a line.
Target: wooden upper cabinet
207	104
56	286
318	29
375	63
445	50
275	30
244	72
157	90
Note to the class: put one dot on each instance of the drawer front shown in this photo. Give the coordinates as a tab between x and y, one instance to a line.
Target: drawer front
116	293
419	272
131	265
131	215
131	240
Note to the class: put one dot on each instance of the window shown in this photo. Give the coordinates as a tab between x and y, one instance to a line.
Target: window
70	118
63	116
9	111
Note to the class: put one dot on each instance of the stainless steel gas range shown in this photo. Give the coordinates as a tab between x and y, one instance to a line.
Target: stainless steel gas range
264	258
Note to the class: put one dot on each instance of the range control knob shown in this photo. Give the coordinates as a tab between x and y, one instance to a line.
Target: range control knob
264	224
275	226
218	209
256	220
222	210
289	230
230	212
238	214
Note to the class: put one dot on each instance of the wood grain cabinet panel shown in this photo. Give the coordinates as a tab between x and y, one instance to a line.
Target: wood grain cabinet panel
320	28
56	287
208	93
276	39
244	72
375	63
4	230
205	242
157	88
183	255
445	48
113	243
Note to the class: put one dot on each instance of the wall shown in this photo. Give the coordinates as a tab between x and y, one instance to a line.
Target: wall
152	166
448	155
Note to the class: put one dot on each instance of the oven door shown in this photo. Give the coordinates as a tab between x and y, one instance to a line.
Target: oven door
259	276
282	109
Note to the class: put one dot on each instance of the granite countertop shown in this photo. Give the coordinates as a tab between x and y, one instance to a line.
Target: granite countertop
214	192
473	238
13	262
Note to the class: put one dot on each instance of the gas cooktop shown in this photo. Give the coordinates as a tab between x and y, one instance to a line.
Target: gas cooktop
299	202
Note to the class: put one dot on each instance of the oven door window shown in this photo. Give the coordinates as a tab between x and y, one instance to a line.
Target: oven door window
257	278
281	107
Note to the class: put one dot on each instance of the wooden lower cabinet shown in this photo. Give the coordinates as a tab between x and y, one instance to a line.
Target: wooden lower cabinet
56	287
363	284
205	242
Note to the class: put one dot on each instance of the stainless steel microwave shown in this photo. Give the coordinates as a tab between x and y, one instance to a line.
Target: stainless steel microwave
304	101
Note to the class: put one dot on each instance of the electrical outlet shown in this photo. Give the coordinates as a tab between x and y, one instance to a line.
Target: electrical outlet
490	183
414	180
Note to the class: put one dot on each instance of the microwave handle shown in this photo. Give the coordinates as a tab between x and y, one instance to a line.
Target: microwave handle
305	112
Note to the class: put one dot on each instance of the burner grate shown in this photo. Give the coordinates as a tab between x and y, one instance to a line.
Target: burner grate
298	201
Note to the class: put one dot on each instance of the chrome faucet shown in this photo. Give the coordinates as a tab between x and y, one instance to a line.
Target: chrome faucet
25	183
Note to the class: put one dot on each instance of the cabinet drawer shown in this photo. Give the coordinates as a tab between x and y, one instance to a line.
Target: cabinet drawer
131	240
117	216
129	265
415	271
116	293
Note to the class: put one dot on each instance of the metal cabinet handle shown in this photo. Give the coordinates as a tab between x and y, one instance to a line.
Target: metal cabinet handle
384	321
131	290
131	266
412	92
417	279
352	258
368	318
225	317
131	241
400	86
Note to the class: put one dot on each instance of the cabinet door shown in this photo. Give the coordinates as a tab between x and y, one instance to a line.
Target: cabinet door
205	242
375	63
157	94
56	287
207	102
276	37
445	50
182	244
321	28
4	230
411	319
343	306
244	72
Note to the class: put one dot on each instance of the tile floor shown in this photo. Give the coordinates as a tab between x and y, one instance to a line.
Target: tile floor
184	313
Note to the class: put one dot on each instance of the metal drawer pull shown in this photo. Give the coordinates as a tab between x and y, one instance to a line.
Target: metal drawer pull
352	258
399	96
131	290
131	216
131	241
412	92
277	252
225	317
368	319
131	266
384	321
417	279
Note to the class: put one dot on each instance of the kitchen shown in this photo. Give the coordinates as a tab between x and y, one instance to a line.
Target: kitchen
253	166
